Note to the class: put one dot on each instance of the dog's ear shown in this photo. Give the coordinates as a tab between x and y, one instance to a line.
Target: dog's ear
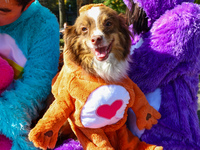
124	29
69	34
71	44
70	37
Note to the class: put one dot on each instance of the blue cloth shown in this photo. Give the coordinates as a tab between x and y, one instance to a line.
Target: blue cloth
36	33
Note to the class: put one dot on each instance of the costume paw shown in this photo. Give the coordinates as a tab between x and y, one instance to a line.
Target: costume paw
42	137
146	117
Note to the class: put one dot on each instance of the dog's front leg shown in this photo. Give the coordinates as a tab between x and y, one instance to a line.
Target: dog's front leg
94	139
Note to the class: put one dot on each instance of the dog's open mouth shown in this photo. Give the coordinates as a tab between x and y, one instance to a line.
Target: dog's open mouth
102	53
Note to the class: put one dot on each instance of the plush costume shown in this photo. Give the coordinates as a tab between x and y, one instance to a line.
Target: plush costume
31	46
97	111
166	65
6	74
6	78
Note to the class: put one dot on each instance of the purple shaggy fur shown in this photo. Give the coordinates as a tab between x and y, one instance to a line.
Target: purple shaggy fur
155	8
70	144
169	59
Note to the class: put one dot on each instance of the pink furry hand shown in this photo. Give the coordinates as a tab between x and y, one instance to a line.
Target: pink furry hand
6	74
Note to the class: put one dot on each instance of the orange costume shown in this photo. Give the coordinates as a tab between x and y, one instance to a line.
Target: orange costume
96	111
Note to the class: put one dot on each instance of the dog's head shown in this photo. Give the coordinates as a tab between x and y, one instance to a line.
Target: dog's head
99	41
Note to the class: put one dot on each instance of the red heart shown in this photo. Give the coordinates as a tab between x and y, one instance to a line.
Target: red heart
109	111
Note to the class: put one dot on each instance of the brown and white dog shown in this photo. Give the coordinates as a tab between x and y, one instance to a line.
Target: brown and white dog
99	41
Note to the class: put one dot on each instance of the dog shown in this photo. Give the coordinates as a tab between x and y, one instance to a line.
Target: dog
99	42
92	91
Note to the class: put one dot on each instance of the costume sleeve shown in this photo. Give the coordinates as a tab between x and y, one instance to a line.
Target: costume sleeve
45	133
171	48
22	103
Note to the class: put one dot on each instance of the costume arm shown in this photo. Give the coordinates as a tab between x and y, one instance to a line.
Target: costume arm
45	133
146	115
22	103
171	48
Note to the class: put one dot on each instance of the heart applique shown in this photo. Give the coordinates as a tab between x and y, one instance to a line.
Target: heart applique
109	111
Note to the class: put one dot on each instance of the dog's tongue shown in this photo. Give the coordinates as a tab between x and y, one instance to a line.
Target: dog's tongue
101	53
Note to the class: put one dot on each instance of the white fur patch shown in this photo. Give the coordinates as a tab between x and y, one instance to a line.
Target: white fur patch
94	13
111	69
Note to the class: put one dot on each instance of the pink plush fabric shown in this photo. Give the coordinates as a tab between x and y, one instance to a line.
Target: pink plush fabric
6	77
6	74
5	143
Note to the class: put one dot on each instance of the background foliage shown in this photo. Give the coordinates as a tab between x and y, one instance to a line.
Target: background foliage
117	5
71	7
197	1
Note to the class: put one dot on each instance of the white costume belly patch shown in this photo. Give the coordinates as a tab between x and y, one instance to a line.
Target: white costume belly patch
105	106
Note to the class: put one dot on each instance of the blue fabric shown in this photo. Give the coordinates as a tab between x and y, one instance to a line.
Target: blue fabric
154	99
37	34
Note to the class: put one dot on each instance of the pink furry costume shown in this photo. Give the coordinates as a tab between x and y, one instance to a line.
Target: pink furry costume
6	74
6	78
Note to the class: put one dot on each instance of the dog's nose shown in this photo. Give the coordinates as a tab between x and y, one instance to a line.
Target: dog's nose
96	39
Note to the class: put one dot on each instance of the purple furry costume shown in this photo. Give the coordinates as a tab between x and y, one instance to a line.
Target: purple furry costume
166	66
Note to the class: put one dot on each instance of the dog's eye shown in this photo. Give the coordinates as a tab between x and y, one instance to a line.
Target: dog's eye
108	24
84	29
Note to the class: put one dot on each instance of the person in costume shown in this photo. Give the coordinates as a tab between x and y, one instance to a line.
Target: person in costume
29	41
166	65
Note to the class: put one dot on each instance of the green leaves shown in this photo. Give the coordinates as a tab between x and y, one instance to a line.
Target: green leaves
197	1
117	5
